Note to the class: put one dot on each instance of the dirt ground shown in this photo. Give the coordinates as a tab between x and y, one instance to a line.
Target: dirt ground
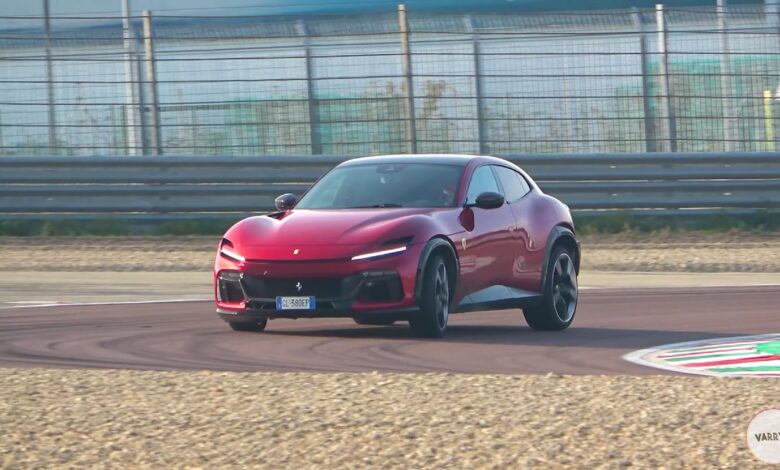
662	252
131	419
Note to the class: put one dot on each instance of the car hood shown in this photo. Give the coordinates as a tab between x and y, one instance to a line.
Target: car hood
303	234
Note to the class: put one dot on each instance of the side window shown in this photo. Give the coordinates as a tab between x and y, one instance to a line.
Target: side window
482	180
513	183
524	184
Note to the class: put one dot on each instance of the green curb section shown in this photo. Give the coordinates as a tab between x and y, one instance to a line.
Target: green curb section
772	347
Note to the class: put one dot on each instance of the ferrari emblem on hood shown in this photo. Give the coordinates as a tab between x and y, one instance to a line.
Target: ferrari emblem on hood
296	251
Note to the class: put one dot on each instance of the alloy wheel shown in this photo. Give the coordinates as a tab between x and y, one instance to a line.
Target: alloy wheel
442	294
564	284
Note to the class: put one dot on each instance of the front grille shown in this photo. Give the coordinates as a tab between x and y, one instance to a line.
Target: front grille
328	288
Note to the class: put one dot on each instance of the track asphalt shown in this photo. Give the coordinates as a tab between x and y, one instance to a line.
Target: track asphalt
189	336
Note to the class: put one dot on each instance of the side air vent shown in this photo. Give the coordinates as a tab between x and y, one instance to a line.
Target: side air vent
399	241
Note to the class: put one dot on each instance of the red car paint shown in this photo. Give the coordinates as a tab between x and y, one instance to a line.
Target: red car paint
504	246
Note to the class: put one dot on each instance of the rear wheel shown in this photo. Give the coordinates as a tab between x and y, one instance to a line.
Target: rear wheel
254	325
559	301
431	320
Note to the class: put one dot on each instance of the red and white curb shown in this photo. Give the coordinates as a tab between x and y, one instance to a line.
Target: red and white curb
741	356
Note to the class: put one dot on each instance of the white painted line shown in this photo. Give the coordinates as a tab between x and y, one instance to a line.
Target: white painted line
128	302
706	286
48	303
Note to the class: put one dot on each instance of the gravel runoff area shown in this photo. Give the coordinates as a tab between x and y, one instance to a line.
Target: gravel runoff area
119	419
132	419
660	252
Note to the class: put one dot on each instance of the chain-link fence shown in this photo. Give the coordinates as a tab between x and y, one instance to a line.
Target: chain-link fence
617	81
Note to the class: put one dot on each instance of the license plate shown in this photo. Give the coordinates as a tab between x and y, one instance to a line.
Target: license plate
295	303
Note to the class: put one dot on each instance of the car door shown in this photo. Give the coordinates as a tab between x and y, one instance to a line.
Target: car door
488	237
524	270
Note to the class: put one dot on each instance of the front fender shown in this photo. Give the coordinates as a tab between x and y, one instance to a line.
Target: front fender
432	245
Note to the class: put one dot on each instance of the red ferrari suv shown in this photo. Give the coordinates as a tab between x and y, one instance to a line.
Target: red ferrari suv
404	238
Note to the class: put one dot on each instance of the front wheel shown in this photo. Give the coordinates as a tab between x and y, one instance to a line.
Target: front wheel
254	325
431	320
556	310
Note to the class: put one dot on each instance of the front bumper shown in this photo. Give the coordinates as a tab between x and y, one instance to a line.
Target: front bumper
370	288
250	314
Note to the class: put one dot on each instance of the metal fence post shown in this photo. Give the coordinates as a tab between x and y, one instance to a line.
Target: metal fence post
127	39
478	89
151	78
141	98
406	57
771	11
50	79
769	125
314	138
729	118
776	21
650	138
666	106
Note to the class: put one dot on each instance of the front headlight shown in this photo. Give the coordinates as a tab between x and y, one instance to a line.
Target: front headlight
376	254
231	254
226	250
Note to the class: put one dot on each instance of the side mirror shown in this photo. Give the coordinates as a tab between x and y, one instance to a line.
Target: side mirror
489	200
285	202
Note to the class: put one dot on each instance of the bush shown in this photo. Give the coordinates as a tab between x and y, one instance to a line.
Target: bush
618	223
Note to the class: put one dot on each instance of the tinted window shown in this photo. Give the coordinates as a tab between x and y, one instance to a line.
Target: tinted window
482	180
513	183
385	185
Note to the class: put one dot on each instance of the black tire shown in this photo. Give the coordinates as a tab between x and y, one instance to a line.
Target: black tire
431	320
556	310
375	321
256	325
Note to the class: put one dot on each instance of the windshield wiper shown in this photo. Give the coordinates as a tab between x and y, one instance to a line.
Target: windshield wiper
377	206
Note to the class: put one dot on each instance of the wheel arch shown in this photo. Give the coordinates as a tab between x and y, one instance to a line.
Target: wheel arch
560	235
439	244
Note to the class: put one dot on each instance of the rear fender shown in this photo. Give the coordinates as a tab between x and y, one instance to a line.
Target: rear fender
558	233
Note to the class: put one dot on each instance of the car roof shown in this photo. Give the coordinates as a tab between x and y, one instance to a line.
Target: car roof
460	160
449	159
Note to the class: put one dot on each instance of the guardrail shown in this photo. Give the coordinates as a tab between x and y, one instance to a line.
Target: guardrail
186	187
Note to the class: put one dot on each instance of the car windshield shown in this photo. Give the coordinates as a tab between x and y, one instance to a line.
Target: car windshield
385	185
